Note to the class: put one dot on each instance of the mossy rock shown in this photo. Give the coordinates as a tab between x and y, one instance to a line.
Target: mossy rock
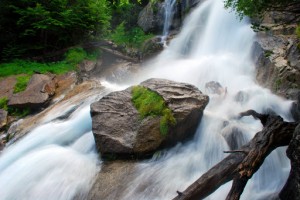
127	131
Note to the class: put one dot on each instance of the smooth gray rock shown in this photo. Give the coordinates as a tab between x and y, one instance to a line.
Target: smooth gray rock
38	93
119	130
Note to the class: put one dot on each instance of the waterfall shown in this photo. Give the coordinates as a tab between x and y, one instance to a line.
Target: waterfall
57	160
168	17
213	46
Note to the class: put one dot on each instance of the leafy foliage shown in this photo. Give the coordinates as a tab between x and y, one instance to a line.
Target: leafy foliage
74	56
39	26
132	38
21	84
256	8
13	111
126	10
20	112
149	103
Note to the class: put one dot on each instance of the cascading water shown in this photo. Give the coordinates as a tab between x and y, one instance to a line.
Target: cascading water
57	160
168	17
213	46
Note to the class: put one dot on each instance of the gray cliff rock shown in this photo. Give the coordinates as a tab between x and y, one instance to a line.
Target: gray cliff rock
150	18
119	130
291	190
277	66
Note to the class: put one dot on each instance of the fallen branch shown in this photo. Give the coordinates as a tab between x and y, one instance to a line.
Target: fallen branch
243	163
235	151
118	54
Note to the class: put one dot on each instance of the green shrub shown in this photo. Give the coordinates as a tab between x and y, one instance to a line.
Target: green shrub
149	103
21	84
75	56
138	37
20	112
119	35
132	38
93	55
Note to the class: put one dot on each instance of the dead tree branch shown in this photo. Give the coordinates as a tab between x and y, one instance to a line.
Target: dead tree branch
243	163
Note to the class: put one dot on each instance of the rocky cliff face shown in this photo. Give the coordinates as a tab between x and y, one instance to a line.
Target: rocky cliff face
119	130
151	18
277	58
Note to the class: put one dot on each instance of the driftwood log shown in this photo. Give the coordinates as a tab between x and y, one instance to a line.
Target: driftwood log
241	164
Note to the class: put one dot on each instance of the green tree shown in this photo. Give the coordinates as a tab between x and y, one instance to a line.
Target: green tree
30	27
257	8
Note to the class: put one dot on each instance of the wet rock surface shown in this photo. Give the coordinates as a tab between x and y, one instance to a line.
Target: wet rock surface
277	62
112	180
119	130
291	190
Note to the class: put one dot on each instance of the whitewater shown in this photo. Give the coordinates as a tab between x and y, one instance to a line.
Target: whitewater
58	159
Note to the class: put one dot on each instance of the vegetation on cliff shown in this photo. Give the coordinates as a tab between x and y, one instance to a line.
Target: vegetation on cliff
257	8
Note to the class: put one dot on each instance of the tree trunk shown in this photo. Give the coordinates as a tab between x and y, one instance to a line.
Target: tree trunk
241	164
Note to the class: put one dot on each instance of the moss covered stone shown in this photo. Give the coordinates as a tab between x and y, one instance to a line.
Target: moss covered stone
149	103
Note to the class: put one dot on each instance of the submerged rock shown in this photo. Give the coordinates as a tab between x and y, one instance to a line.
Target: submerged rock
119	130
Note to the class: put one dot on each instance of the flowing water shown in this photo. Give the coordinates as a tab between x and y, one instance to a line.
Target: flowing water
57	160
168	17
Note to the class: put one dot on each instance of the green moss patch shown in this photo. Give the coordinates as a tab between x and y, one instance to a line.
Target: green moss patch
149	103
21	84
3	103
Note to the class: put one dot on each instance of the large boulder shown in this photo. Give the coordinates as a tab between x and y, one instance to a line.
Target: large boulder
291	190
119	130
38	92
